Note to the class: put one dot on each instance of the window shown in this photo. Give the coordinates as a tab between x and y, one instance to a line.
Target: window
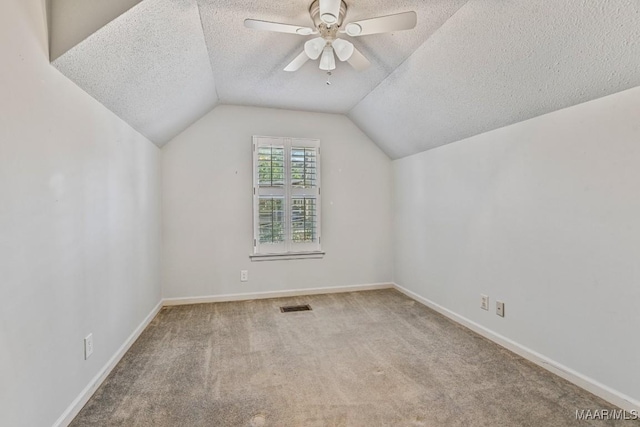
286	196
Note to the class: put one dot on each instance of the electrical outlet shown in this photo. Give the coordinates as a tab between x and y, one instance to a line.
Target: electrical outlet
88	346
244	275
484	302
500	308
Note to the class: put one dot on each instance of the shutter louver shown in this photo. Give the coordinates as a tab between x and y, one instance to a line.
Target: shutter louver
271	213
303	167
303	219
271	166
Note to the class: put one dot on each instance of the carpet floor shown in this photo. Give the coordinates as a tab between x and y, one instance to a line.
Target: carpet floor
374	358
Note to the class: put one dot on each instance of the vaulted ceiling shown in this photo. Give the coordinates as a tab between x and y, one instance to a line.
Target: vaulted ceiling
469	66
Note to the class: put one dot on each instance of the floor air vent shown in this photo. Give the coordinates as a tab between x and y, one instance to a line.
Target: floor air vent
292	308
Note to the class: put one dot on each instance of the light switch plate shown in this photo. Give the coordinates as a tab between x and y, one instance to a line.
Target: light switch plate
484	302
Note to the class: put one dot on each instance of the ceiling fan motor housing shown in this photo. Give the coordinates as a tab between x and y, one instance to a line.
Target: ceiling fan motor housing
314	11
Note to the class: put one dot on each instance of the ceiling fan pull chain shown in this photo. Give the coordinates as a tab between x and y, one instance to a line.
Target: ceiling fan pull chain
328	77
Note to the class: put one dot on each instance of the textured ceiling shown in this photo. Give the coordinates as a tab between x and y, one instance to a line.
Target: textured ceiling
495	63
149	66
468	67
248	64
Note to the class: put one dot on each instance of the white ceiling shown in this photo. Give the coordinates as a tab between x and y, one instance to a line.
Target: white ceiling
149	66
468	67
495	63
248	64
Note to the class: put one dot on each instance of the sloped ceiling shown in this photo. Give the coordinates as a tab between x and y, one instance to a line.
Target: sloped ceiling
495	63
248	64
150	66
468	67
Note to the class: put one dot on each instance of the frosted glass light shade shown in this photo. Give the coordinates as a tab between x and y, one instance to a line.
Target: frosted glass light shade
343	49
327	61
313	48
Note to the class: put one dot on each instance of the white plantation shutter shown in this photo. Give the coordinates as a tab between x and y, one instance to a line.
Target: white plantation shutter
286	195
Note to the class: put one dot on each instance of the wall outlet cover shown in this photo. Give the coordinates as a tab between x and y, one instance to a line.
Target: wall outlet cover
88	346
500	308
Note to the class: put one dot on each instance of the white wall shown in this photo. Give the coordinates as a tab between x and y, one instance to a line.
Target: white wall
545	216
207	206
79	227
72	21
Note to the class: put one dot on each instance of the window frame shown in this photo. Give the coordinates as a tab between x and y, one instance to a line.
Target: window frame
287	249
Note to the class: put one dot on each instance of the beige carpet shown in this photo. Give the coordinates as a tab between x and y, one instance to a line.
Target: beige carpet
373	358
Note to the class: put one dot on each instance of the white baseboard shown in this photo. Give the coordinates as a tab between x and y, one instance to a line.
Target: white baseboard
610	395
70	413
274	294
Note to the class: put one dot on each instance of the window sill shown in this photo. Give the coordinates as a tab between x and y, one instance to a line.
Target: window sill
286	256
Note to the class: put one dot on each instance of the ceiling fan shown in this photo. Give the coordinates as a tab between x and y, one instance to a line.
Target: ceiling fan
328	19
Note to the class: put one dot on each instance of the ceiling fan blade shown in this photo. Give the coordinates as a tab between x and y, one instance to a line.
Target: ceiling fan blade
382	24
298	62
278	27
313	47
343	49
358	61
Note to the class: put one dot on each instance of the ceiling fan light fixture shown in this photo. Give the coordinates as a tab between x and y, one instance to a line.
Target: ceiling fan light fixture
329	11
313	48
353	29
327	61
343	49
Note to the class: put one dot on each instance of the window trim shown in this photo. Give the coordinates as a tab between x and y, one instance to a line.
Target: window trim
288	250
287	256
